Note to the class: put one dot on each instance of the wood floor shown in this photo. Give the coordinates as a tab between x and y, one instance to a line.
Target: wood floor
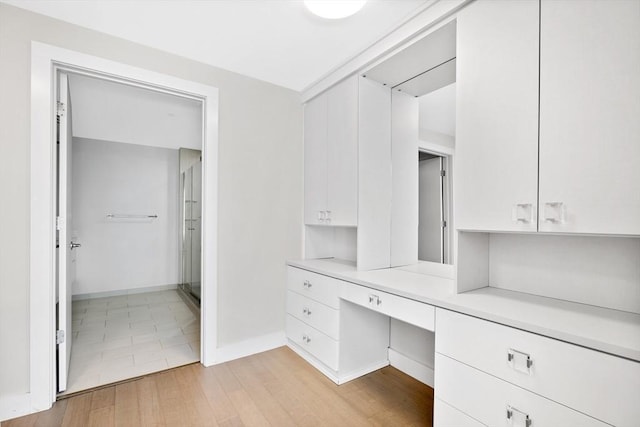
275	388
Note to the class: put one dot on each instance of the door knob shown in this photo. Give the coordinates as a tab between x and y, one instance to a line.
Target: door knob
74	245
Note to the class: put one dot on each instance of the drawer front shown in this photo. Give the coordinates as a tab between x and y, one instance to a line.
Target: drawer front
320	288
489	399
315	342
407	310
445	415
323	318
603	386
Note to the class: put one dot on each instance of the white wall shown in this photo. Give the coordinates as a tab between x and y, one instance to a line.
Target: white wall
602	271
124	254
260	184
120	113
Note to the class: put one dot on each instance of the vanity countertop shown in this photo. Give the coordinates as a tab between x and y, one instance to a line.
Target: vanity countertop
610	331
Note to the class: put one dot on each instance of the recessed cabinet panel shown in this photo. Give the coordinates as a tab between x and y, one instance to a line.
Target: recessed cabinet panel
495	187
590	117
315	159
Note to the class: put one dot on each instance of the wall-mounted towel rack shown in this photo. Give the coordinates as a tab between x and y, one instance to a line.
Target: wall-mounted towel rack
131	216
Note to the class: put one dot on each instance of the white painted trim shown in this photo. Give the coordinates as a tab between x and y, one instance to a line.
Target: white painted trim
14	405
430	15
417	370
134	291
250	346
42	232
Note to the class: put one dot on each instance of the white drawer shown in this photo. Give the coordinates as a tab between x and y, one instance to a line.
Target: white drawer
488	399
323	318
315	342
603	386
445	415
407	310
321	288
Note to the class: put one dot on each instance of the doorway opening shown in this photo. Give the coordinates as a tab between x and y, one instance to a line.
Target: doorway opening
123	231
433	208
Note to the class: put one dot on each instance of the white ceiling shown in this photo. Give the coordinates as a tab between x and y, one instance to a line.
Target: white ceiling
278	41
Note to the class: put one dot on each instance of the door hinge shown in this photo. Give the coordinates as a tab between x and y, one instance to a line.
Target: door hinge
443	224
59	336
59	223
443	172
60	108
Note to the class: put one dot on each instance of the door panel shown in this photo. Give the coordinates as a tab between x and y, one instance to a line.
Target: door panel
589	117
315	159
66	260
497	116
342	153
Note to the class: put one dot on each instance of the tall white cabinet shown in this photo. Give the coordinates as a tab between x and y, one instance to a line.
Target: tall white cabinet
331	156
590	117
347	173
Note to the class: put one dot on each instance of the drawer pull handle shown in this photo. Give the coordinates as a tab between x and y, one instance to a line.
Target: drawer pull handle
306	339
374	299
518	417
306	311
307	284
520	361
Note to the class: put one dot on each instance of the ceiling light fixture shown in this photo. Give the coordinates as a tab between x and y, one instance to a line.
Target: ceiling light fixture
334	9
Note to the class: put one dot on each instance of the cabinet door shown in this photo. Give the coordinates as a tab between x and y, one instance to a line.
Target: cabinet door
315	159
590	117
342	153
495	186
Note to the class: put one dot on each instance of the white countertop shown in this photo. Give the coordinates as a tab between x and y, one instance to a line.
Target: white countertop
611	331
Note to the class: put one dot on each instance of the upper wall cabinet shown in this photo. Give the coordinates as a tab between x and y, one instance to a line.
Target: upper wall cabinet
586	177
331	156
495	187
590	117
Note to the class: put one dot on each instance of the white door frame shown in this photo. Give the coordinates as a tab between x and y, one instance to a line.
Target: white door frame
45	61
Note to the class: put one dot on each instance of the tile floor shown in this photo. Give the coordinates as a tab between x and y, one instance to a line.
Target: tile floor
121	337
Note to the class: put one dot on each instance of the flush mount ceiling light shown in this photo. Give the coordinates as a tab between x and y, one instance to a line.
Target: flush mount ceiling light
334	9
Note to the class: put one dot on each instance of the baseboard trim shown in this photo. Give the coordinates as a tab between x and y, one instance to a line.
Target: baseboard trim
250	346
15	405
417	370
120	292
330	373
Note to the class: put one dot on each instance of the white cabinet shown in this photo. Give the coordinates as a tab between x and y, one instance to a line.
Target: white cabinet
331	156
340	339
590	117
517	366
497	116
580	173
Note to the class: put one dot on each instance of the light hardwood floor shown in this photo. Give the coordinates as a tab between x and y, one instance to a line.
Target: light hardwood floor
275	388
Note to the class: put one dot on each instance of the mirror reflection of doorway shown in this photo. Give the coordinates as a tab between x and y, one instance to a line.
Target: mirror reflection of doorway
191	190
432	208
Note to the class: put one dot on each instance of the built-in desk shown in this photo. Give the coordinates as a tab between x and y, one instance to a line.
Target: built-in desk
567	362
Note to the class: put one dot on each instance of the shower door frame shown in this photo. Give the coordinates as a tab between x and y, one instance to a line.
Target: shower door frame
46	61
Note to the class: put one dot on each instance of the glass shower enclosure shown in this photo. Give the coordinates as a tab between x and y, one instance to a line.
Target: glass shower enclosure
191	216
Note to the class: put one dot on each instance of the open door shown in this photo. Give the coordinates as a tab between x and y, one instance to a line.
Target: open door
65	245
